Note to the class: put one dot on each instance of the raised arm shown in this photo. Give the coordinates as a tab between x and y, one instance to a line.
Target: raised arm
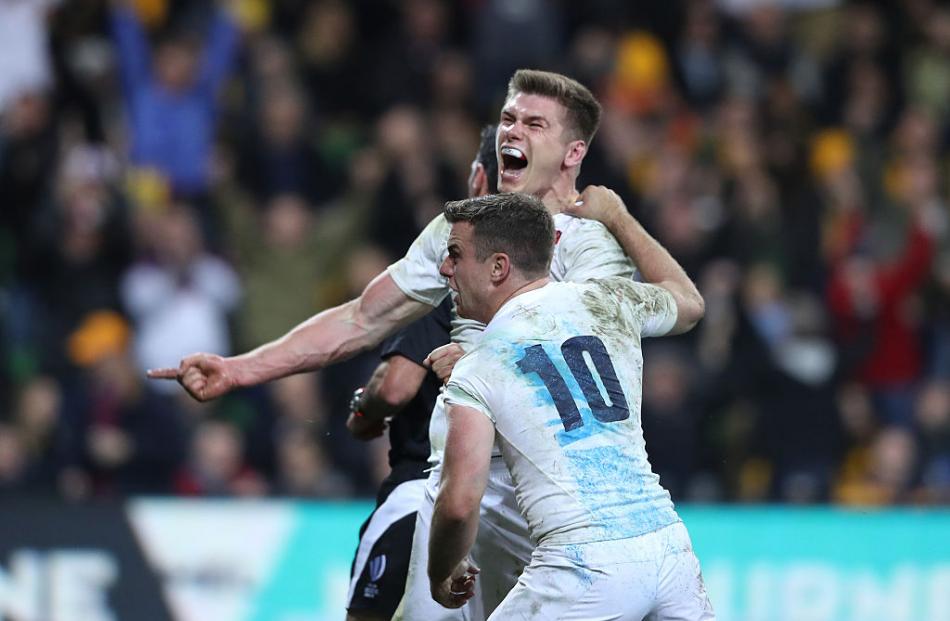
328	337
130	38
655	264
220	51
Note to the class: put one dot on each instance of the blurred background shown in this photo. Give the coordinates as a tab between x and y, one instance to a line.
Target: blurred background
180	176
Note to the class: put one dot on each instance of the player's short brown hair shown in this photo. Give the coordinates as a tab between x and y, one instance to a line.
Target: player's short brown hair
583	109
515	224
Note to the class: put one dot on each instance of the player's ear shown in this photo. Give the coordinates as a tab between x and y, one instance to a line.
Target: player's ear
500	267
478	183
576	150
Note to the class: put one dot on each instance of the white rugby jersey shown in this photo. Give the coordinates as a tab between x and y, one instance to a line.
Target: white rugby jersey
558	372
585	249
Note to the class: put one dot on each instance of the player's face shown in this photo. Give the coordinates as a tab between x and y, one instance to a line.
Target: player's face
468	277
531	144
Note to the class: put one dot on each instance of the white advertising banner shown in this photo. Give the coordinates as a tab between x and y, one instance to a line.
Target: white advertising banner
250	561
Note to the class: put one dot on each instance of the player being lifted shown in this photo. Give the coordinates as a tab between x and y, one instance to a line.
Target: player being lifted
555	380
545	129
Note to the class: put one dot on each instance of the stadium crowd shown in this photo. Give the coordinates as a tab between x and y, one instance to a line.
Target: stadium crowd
180	176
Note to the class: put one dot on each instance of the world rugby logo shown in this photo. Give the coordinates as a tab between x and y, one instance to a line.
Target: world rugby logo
377	567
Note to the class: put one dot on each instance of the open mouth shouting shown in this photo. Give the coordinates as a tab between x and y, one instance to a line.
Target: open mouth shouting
513	164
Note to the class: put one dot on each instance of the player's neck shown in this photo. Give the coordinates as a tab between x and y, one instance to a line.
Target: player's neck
559	195
516	290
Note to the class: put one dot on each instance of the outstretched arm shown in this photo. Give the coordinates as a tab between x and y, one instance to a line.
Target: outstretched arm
328	337
656	265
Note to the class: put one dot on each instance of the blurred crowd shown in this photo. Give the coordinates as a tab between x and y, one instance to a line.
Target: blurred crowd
180	176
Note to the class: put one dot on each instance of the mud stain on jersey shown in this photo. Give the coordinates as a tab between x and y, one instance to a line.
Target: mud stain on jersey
603	303
623	308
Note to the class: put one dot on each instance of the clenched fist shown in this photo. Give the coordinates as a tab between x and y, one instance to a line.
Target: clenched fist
599	203
458	588
442	360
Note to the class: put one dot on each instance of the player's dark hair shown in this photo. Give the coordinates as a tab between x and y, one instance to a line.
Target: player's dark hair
583	109
487	157
516	224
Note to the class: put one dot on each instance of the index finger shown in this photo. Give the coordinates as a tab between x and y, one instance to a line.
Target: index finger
167	373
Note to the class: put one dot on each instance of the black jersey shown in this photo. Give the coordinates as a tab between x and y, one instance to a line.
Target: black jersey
409	429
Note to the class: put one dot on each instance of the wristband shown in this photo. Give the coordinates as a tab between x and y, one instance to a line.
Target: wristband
355	402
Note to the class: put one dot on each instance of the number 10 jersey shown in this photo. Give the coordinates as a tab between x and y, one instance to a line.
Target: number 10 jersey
558	371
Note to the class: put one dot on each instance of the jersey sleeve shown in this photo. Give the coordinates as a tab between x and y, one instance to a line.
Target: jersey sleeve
417	340
587	251
465	388
417	273
651	306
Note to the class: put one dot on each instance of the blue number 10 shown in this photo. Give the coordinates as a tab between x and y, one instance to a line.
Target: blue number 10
536	360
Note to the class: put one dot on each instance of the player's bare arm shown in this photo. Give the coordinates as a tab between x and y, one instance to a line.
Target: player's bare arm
455	522
655	263
391	387
328	337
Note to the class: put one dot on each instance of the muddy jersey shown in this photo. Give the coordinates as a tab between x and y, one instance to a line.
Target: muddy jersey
585	249
558	372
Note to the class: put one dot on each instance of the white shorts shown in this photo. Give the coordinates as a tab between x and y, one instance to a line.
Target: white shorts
654	577
502	550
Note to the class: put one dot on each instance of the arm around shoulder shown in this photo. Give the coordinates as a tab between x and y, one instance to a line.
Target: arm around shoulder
690	306
654	262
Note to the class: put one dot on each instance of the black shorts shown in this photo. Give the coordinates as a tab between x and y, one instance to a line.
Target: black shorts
378	574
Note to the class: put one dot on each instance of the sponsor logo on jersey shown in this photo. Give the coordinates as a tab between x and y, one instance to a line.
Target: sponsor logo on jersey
377	567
